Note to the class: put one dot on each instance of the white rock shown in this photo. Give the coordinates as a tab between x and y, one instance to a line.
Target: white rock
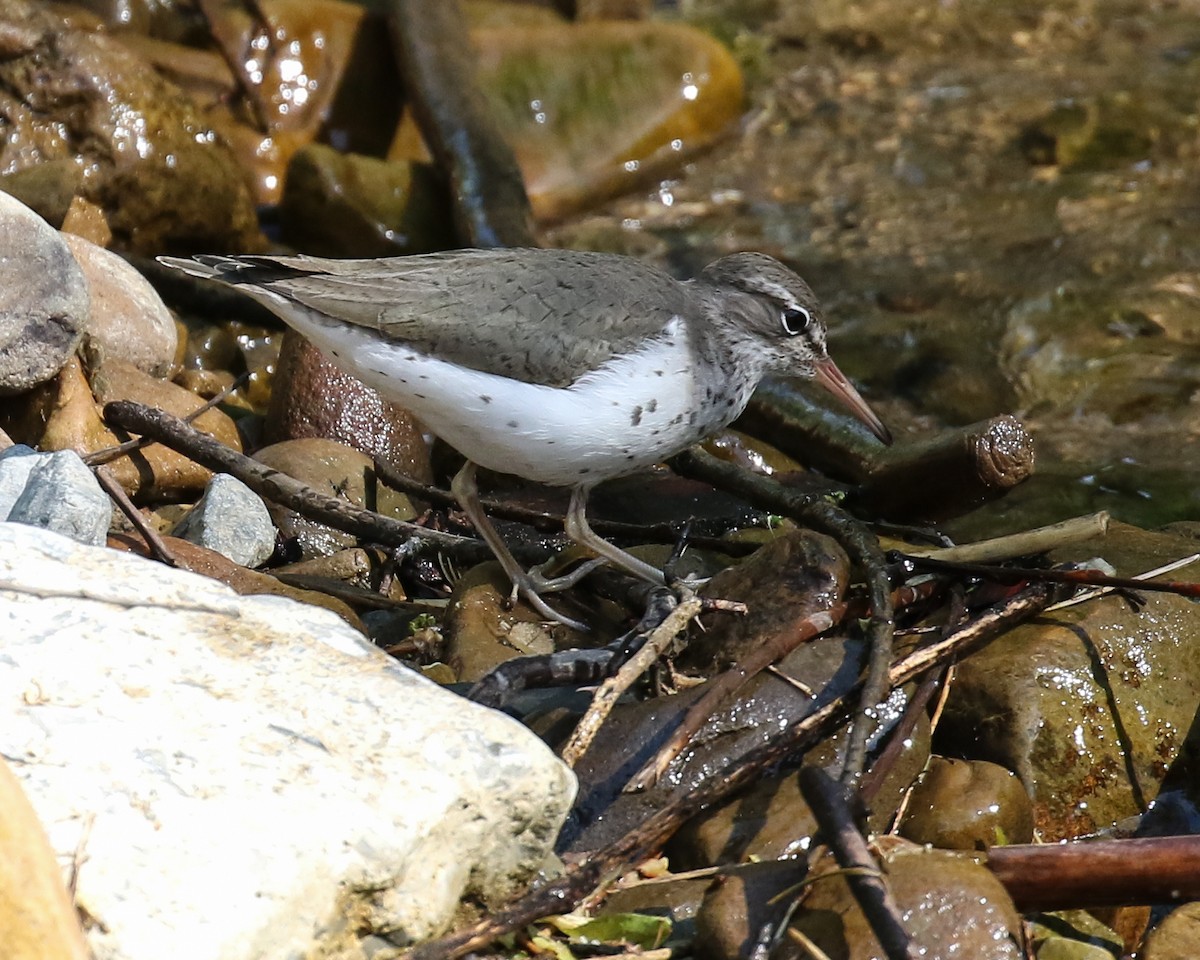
243	777
231	519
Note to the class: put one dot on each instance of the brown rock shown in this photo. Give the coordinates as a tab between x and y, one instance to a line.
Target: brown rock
740	903
481	634
967	805
314	398
37	919
127	319
1088	705
1177	937
783	583
157	169
59	415
85	219
335	470
593	110
952	907
209	563
326	73
156	473
772	820
348	205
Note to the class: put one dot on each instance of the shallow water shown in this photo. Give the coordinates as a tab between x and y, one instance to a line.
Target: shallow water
997	204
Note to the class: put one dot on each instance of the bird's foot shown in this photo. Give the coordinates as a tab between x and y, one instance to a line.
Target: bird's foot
544	584
526	585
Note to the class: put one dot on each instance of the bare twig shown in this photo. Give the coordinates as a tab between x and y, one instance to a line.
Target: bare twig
830	805
659	641
729	682
1096	873
109	454
268	483
1102	591
1078	577
1023	544
118	495
553	522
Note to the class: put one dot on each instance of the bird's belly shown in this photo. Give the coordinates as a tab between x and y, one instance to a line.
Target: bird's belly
634	411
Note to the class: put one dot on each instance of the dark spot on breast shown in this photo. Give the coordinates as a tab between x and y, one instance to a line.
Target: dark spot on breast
630	456
335	353
424	376
652	406
655	433
659	373
419	396
692	418
636	418
513	424
729	401
584	470
485	398
677	419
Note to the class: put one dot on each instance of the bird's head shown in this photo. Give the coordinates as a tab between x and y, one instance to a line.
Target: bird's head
779	311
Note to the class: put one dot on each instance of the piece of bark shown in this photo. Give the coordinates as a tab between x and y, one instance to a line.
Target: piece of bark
948	475
1067	876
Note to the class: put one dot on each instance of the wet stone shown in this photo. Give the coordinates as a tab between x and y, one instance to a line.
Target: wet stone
59	494
952	906
157	169
127	319
967	805
333	470
312	398
1088	705
344	205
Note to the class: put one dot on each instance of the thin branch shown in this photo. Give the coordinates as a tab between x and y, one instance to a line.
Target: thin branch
268	483
725	684
1023	544
553	522
109	454
605	698
1079	577
830	805
118	495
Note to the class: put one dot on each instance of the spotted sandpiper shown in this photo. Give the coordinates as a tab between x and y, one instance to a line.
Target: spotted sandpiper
563	367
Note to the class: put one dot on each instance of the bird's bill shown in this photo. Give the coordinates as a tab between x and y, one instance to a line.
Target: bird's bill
833	380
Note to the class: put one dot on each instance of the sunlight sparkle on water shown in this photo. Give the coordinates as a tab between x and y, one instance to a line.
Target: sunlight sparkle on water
291	70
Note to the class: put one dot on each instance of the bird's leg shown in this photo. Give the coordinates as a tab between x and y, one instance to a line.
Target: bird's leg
579	531
466	492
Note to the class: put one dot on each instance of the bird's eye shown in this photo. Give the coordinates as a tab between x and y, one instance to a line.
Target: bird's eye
795	320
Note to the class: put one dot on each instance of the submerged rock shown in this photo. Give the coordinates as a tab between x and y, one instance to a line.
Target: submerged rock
141	150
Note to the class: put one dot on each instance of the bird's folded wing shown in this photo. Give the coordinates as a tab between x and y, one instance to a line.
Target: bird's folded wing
534	315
